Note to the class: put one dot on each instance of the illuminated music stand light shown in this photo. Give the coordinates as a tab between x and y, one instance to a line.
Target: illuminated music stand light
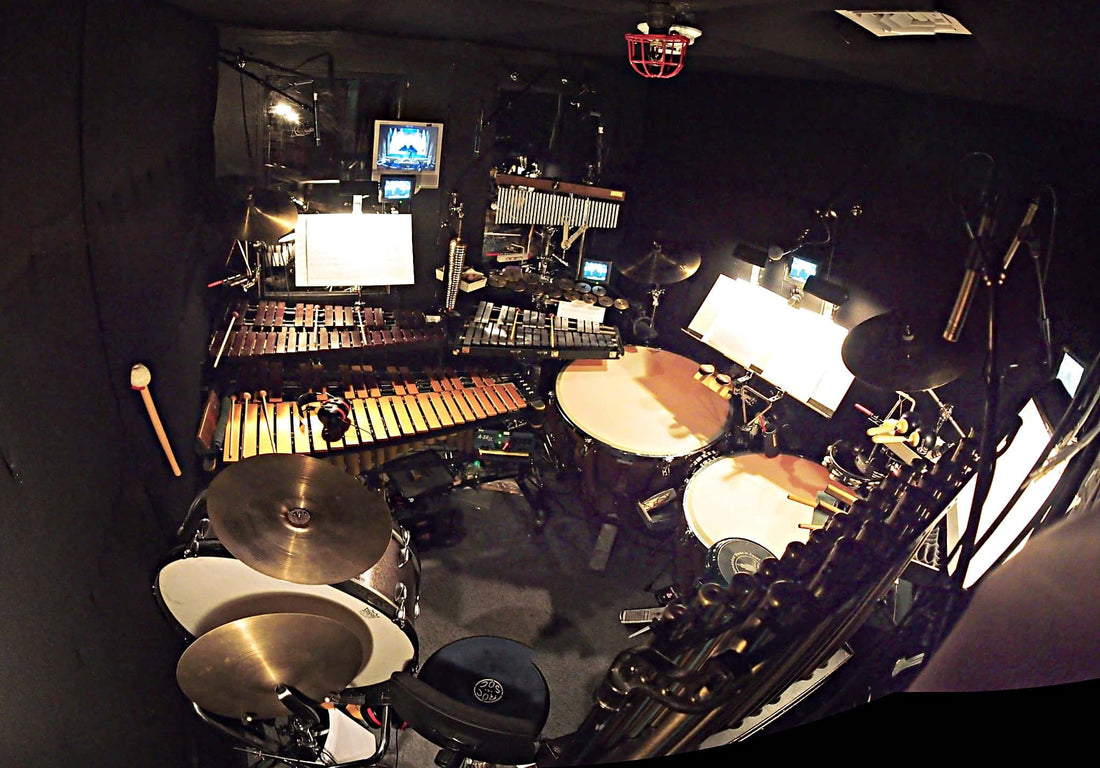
794	349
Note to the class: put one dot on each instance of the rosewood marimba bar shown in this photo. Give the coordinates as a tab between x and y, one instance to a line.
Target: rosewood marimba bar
386	407
278	328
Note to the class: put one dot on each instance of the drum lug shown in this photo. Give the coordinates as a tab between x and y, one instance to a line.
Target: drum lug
416	608
199	536
666	466
400	595
586	446
405	553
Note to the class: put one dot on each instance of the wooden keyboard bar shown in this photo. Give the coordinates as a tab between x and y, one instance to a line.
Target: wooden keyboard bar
276	328
432	405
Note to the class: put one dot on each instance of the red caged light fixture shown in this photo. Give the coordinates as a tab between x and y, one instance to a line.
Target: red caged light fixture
659	47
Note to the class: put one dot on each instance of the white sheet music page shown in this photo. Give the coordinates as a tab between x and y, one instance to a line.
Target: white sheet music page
350	249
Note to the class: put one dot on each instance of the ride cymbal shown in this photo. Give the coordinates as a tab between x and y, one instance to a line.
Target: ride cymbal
656	267
297	518
268	216
890	352
233	670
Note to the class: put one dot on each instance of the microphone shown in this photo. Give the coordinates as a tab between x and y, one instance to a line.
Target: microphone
970	278
1021	236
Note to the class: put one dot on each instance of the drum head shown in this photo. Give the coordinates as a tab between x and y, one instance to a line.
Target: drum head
203	593
745	496
645	403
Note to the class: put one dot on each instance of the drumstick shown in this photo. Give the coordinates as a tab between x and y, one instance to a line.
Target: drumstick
221	349
809	503
811	526
139	380
845	494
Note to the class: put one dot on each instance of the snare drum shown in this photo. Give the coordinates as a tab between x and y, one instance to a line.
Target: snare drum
635	423
745	497
203	590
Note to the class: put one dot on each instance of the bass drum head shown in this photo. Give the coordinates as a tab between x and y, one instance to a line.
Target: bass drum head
644	403
746	496
205	592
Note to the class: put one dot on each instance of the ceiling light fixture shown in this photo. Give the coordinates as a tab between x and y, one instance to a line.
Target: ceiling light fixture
658	49
906	23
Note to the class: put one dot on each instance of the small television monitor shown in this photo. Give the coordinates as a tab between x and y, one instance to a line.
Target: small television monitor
801	270
408	148
1070	371
394	189
595	271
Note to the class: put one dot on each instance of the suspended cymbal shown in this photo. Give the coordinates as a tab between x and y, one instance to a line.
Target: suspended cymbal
890	352
268	216
660	268
298	518
233	670
621	303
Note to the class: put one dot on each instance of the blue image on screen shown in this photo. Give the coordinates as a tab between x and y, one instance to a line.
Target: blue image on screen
399	188
596	271
801	270
407	148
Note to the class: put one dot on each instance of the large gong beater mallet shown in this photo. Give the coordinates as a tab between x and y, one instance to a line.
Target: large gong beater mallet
139	380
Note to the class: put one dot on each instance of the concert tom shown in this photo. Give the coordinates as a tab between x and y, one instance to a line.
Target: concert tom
850	467
739	511
634	424
202	586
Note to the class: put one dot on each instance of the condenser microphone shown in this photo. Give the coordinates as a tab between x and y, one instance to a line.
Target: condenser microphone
1021	236
965	296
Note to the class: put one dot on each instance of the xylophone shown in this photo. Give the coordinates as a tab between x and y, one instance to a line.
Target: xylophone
497	329
389	409
278	327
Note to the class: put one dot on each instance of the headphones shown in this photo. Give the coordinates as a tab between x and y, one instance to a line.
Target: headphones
333	412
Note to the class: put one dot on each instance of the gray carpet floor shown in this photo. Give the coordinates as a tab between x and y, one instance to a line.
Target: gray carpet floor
505	579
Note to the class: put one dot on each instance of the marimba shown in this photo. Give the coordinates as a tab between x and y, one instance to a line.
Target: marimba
278	328
501	330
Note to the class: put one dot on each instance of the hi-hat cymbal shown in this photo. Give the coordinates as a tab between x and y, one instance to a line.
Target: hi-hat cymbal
890	352
268	216
233	670
297	518
656	267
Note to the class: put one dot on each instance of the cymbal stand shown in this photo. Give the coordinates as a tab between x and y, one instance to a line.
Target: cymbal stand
946	411
655	293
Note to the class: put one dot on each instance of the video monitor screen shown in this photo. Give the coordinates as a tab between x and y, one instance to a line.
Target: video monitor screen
1070	371
801	270
595	271
407	147
396	188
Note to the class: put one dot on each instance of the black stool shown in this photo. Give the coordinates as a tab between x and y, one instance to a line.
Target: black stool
479	698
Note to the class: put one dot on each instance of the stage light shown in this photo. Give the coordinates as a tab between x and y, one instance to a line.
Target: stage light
285	111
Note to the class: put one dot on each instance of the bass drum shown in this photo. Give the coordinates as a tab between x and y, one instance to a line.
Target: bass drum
745	497
200	591
634	424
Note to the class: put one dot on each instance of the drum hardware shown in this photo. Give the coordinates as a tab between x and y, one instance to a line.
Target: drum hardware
658	511
297	518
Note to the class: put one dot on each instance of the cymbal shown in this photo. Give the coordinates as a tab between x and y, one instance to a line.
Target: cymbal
297	518
660	268
621	303
268	216
890	352
233	670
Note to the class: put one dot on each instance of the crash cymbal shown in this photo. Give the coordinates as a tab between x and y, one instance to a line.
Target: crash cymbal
497	281
890	352
512	273
621	303
268	216
604	300
233	670
588	298
599	290
571	296
565	283
657	267
297	518
582	288
555	293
